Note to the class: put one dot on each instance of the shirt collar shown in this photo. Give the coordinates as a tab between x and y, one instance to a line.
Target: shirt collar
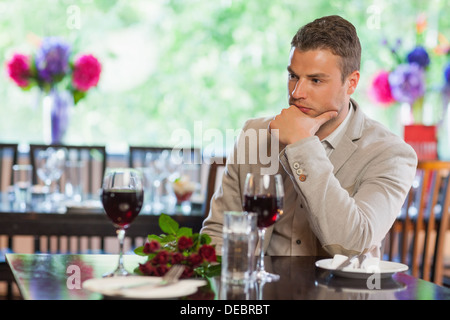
333	138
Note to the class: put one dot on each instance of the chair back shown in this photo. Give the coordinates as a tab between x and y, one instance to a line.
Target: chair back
424	221
214	178
93	159
8	157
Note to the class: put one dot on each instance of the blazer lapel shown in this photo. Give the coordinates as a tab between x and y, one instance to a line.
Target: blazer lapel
346	146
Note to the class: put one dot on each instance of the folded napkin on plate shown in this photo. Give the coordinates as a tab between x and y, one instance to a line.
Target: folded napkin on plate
369	263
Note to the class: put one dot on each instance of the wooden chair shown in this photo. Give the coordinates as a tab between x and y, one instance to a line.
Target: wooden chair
8	157
421	229
94	160
211	184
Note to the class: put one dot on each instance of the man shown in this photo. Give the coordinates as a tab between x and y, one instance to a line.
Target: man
345	175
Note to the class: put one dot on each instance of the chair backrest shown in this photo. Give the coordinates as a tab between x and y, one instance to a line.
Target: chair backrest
93	159
8	157
138	157
425	221
214	178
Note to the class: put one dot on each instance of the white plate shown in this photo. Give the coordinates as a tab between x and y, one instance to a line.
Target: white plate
386	269
110	287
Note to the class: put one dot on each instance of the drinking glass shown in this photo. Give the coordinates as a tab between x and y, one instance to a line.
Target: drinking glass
22	177
122	198
263	194
50	165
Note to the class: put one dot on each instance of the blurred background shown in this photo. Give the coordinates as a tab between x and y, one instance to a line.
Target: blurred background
198	69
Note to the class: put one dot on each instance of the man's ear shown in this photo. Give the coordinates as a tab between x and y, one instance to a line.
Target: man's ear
352	82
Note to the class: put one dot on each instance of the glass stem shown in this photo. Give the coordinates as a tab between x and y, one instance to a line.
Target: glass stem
120	236
261	234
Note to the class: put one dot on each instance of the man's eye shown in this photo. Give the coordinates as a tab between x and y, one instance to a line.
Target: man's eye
315	80
292	76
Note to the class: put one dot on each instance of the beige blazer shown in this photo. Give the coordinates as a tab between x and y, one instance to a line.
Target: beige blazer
343	204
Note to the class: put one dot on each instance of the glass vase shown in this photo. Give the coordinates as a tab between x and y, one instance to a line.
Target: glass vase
56	106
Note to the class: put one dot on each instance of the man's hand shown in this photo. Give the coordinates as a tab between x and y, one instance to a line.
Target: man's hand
293	125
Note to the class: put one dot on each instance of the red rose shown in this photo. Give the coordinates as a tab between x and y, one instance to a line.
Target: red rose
176	257
151	247
195	259
86	73
187	273
208	253
161	257
147	268
19	70
184	243
161	270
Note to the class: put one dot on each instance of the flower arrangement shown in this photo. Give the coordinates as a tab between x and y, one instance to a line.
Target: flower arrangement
178	246
51	65
407	81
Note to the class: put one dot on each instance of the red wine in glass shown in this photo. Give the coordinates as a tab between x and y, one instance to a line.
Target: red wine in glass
122	198
122	206
266	207
263	194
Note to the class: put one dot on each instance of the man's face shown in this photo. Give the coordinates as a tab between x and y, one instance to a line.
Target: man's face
315	85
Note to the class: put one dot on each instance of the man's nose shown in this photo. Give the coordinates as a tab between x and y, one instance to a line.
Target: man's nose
299	91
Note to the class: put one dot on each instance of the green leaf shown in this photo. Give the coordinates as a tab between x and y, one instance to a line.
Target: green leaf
140	251
151	237
187	232
213	270
166	238
167	224
78	95
205	239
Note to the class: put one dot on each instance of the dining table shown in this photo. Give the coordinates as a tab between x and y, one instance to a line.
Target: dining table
61	277
88	219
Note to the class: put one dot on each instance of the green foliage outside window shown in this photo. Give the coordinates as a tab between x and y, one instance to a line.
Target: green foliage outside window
189	64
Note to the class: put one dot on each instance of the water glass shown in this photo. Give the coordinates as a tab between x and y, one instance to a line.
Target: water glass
22	177
74	180
238	250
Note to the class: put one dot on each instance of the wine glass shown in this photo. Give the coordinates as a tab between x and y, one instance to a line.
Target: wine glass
50	165
122	198
263	194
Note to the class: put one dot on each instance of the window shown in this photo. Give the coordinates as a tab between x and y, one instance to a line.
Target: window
191	68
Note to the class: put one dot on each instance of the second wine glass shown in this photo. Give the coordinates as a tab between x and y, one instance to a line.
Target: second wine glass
122	199
263	194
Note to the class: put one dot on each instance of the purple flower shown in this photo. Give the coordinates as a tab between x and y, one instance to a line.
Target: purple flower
420	56
407	82
52	59
447	74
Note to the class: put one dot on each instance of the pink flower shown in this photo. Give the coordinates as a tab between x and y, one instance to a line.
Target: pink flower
86	72
19	70
380	90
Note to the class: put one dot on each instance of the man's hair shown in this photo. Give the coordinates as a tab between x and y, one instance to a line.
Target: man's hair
335	34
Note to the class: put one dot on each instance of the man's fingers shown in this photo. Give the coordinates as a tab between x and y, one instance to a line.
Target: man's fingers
326	116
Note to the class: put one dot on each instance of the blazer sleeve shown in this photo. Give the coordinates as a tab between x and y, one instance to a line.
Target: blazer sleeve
351	220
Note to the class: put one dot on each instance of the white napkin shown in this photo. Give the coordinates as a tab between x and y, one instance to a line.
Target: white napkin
370	263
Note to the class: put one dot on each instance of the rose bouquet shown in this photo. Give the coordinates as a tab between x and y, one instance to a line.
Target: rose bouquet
178	246
406	81
53	65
